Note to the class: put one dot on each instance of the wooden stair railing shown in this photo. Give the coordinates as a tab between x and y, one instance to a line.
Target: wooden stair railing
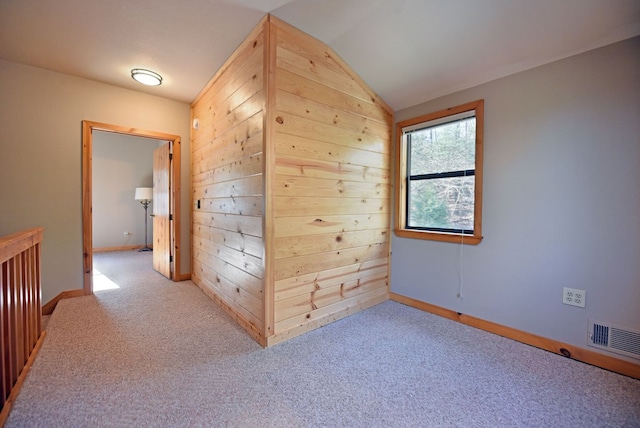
21	331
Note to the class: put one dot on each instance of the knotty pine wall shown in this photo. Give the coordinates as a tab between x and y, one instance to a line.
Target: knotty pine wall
331	207
227	179
291	165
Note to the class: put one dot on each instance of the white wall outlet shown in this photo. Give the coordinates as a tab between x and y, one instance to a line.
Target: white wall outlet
574	297
127	234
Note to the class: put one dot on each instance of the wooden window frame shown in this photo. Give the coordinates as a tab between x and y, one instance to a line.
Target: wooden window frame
401	178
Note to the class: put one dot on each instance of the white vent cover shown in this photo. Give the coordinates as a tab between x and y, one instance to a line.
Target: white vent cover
615	339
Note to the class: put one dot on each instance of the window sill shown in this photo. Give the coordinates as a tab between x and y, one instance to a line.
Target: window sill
438	236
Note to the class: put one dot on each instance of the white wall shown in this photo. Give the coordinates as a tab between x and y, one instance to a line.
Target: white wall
40	158
120	164
561	201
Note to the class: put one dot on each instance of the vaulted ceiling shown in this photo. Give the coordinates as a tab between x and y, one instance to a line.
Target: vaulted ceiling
408	51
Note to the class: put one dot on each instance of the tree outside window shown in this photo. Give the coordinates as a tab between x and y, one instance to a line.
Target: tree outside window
440	175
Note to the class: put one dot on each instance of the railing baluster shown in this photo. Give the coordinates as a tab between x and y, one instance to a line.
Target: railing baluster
20	311
4	281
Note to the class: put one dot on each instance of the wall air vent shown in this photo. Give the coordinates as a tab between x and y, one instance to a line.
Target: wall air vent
614	339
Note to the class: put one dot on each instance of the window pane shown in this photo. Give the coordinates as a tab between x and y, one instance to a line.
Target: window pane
444	203
443	148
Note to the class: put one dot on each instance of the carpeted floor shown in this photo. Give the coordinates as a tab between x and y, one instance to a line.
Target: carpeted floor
157	353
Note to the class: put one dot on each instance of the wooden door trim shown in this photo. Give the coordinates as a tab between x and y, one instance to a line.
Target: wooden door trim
87	184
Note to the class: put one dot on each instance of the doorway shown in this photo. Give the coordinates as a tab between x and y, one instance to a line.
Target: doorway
173	199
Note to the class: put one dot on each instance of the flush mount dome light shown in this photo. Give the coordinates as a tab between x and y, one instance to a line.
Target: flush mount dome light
146	77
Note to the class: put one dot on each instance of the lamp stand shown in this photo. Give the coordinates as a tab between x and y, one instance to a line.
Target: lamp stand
145	204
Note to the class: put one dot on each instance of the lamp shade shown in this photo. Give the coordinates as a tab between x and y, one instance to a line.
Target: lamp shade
144	193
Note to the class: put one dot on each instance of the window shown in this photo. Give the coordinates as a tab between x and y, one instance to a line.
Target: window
439	175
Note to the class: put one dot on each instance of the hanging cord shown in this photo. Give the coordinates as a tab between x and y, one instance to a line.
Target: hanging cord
460	269
461	260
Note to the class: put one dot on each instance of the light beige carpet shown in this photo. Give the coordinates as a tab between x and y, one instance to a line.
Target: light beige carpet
154	353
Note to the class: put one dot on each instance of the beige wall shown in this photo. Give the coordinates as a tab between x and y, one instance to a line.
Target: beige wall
120	164
40	158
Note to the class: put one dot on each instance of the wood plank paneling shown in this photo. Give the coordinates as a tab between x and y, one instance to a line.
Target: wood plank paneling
302	284
299	167
295	266
214	267
332	188
300	245
227	291
291	186
239	241
313	225
299	64
323	188
308	321
227	169
235	223
240	205
314	110
301	126
243	261
243	167
327	275
305	88
239	115
224	149
301	206
306	303
305	148
244	186
222	83
317	52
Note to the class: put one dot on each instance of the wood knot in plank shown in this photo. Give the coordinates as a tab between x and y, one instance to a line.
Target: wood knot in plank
322	223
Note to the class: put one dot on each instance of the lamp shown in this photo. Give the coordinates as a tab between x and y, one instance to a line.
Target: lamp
144	195
146	77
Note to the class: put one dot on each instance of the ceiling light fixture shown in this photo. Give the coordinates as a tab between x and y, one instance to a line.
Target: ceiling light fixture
146	77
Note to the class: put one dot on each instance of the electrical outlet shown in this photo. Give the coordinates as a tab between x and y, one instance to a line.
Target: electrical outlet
574	297
127	234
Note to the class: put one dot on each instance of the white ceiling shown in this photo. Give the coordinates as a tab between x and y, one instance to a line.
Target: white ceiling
408	51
